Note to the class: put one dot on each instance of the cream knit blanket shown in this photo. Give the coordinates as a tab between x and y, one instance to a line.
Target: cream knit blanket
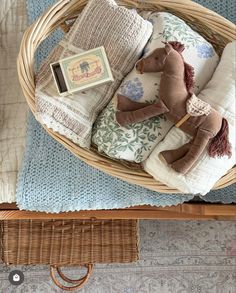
124	34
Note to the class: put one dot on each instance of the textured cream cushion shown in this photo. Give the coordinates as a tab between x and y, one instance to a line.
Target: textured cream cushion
135	142
220	93
124	34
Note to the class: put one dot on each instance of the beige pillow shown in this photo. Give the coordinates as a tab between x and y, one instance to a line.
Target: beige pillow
220	93
124	34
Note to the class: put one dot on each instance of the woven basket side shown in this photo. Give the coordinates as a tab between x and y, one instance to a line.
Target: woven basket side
212	26
69	242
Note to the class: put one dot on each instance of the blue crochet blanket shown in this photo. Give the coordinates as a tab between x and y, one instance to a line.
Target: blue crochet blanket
53	180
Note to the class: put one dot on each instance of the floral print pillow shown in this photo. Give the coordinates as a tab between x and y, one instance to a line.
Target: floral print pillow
135	142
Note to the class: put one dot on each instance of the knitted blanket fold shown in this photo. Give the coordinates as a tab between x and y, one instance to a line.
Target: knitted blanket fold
54	180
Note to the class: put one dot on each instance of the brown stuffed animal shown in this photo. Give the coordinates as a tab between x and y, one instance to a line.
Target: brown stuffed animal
178	103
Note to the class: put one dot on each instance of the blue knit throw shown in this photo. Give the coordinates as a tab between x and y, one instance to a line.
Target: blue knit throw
53	180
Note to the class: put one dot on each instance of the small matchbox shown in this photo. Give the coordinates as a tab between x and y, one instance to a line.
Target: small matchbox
81	71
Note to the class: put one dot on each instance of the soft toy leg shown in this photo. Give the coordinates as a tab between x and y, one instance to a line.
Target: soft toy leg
200	142
128	117
171	156
125	104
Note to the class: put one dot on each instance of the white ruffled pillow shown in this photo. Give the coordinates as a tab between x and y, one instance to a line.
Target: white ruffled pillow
135	142
220	93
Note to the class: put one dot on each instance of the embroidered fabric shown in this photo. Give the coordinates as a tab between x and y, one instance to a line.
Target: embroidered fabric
74	116
197	107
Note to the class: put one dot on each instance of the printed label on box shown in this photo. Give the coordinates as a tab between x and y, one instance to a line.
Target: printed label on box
82	71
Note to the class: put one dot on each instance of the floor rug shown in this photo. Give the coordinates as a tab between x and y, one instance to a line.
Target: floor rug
176	257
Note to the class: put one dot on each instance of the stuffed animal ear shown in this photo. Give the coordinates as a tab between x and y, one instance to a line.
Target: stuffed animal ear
168	48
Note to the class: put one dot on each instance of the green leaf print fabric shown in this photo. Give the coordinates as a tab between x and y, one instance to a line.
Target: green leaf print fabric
136	141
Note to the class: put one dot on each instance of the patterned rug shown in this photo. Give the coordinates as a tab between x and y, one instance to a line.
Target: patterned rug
176	257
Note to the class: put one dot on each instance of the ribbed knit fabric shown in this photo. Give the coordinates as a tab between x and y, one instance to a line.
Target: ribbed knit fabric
54	180
226	8
124	34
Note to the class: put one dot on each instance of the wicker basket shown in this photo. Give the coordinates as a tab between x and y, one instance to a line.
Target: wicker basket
69	242
212	26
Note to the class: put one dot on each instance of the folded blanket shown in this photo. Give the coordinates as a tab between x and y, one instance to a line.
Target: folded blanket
53	180
124	34
220	93
13	106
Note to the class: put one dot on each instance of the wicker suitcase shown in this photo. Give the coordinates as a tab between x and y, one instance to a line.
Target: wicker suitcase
69	242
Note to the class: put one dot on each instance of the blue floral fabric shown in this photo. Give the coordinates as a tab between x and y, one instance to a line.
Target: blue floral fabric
132	89
204	51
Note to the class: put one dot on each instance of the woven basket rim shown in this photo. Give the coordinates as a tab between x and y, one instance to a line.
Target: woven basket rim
194	13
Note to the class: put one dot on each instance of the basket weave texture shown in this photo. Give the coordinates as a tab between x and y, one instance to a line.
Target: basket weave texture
210	25
69	242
